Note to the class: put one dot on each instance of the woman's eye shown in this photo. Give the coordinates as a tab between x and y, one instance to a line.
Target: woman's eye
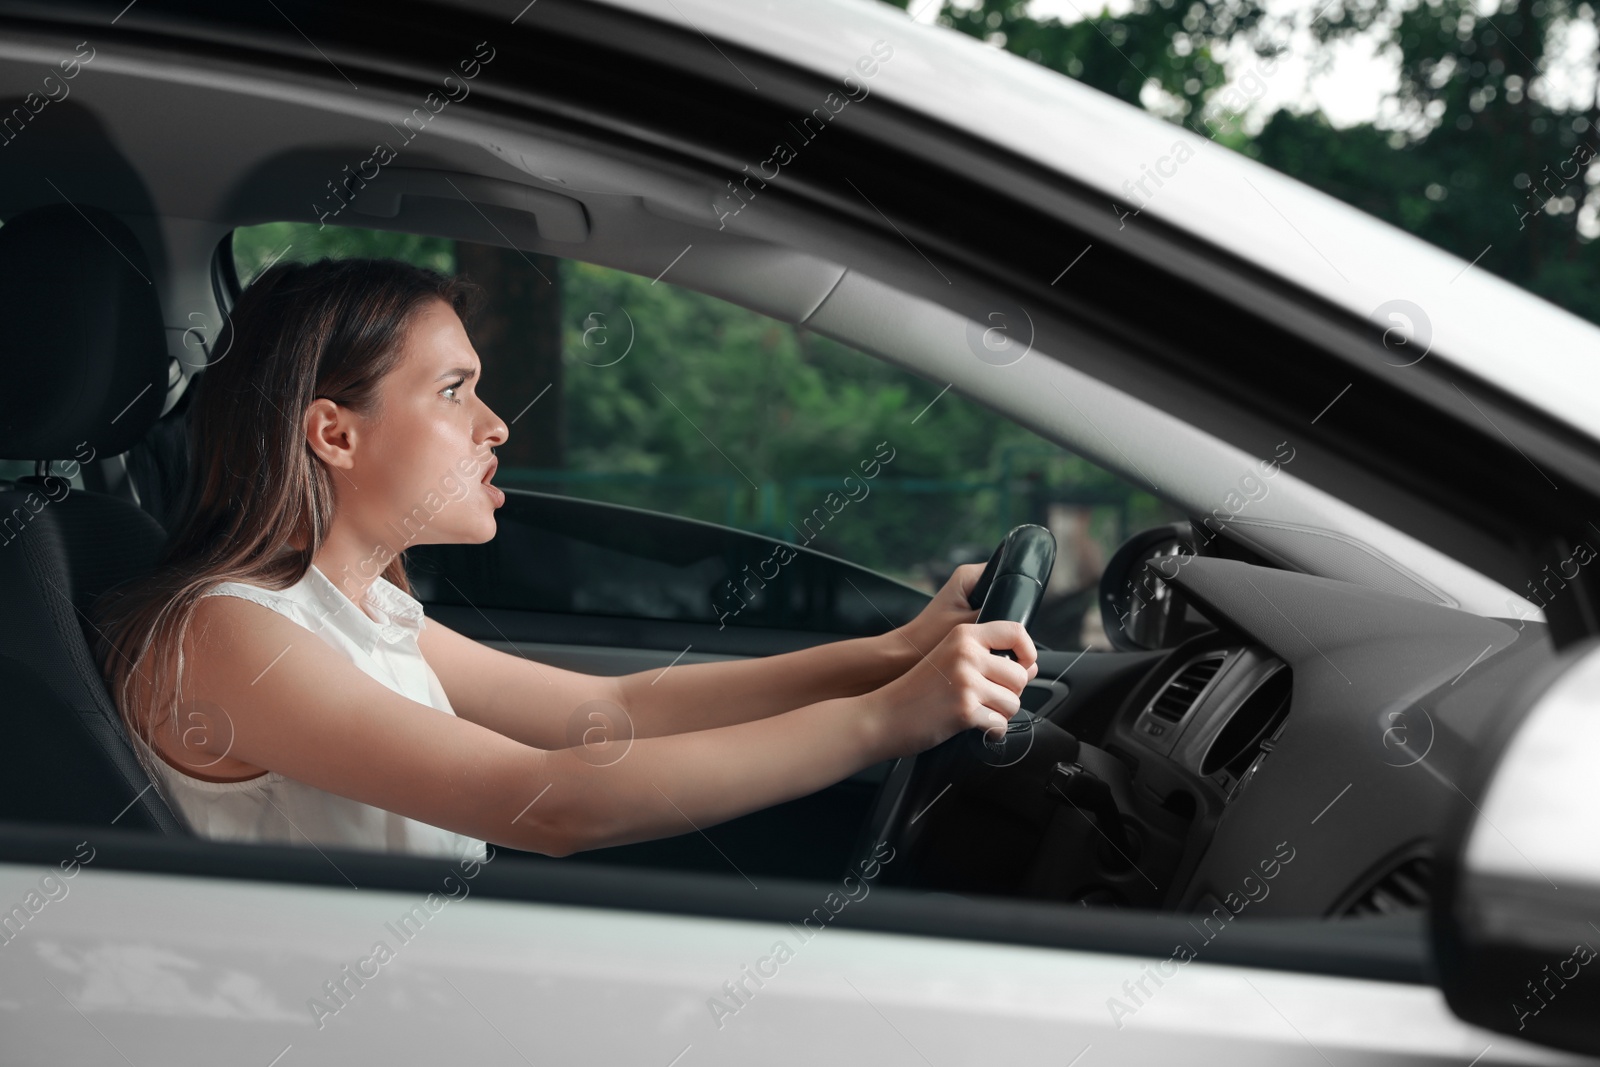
452	387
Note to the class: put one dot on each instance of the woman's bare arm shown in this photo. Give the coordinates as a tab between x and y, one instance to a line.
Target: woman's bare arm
703	696
526	700
317	718
547	707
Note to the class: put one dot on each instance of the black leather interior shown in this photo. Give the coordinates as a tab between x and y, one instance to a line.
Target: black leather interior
159	463
84	352
84	347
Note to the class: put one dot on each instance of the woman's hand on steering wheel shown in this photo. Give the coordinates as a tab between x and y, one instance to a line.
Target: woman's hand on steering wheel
960	684
948	609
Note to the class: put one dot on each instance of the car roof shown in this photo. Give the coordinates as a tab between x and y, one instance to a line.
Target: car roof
1518	342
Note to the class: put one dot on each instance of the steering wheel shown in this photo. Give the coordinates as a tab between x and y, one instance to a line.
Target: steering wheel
1010	587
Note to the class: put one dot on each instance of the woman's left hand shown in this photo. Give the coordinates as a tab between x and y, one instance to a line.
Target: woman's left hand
947	610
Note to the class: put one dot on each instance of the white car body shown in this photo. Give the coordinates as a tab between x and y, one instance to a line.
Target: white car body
140	966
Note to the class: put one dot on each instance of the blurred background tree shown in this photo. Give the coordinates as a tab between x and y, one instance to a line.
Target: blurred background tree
1481	149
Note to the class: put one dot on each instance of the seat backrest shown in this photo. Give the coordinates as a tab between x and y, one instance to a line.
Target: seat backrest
69	758
82	341
158	465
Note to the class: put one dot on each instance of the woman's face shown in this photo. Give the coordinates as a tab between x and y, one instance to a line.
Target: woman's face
417	472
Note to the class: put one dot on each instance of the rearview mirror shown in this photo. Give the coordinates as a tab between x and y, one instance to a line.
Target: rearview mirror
1517	915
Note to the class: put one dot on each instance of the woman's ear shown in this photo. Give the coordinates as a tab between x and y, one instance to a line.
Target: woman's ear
331	431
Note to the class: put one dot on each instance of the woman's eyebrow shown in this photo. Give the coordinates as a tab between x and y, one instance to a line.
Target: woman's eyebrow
457	372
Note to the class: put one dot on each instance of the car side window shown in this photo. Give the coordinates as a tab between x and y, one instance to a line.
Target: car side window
629	391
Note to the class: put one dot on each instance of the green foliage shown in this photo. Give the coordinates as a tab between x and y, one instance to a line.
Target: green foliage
1487	165
781	416
1158	44
257	247
1475	160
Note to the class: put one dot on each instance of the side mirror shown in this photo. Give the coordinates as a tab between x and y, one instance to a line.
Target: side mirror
1139	610
1516	919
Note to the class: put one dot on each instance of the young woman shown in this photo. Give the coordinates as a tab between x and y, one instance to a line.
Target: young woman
281	683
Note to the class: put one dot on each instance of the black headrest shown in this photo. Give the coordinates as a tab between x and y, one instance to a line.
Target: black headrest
82	345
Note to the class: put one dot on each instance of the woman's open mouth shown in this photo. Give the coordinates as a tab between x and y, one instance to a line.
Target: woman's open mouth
495	494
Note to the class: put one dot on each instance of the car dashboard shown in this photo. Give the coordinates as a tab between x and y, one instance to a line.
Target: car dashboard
1299	758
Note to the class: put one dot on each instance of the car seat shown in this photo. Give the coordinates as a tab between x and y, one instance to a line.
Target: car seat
84	352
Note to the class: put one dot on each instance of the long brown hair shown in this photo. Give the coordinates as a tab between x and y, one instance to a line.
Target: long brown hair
255	487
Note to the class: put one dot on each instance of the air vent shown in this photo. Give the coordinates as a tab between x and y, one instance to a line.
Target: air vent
1406	888
1179	695
1238	743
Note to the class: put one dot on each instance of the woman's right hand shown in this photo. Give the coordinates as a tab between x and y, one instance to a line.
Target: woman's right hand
960	684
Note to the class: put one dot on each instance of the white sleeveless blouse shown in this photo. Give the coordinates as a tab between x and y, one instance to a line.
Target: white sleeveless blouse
274	808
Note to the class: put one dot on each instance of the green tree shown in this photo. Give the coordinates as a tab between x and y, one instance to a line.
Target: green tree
1158	48
257	247
1491	161
1482	157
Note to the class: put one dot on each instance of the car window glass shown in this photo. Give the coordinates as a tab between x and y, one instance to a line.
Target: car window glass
629	390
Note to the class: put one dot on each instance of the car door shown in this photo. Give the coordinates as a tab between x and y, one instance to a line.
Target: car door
270	956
